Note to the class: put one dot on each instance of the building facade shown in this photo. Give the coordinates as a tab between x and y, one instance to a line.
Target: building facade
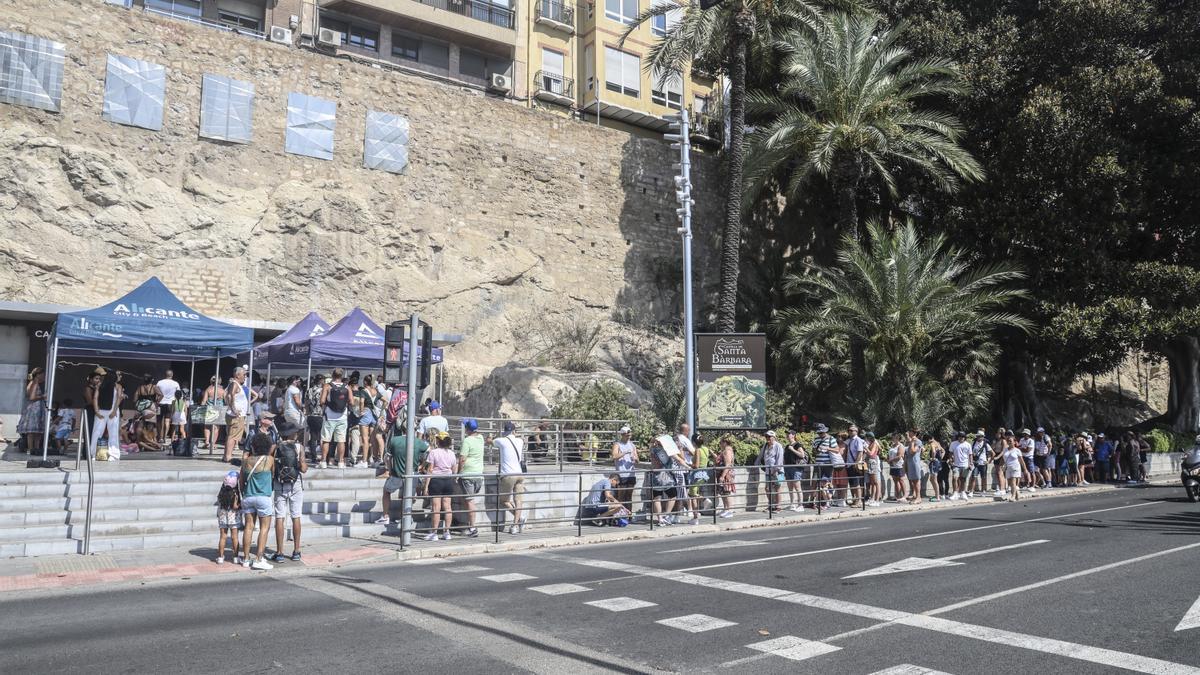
563	56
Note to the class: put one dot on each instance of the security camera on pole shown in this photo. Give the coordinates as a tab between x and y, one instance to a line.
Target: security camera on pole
680	138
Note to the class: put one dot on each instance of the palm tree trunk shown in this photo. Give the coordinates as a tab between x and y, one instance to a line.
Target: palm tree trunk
731	235
846	180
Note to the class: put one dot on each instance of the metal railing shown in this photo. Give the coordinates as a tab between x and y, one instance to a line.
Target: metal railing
550	442
258	35
557	11
554	83
480	10
514	504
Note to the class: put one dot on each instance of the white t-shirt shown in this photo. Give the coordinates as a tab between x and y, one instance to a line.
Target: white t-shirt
289	399
962	454
624	461
167	388
511	450
1012	459
434	421
1026	446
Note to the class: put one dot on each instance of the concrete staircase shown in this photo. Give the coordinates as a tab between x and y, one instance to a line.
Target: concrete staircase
43	513
136	509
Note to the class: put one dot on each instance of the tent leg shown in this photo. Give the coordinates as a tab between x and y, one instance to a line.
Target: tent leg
49	397
308	441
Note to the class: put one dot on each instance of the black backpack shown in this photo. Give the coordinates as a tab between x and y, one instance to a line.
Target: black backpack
339	398
287	464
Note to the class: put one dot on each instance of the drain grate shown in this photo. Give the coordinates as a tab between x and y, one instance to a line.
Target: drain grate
77	563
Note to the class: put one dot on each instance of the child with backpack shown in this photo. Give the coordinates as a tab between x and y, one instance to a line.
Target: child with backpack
290	467
229	517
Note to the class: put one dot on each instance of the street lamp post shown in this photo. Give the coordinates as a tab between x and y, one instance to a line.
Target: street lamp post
683	193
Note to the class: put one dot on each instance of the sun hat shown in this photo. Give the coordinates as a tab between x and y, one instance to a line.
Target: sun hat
231	479
821	429
99	371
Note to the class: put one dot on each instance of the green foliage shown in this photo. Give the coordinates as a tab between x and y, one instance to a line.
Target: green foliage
568	344
596	400
855	104
668	398
781	409
926	317
1165	440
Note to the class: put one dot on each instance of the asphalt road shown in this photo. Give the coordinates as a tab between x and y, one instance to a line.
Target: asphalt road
1083	584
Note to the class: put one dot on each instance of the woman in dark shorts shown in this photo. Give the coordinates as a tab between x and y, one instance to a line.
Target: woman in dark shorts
442	462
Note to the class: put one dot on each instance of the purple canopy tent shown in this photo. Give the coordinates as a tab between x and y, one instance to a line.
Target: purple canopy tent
277	349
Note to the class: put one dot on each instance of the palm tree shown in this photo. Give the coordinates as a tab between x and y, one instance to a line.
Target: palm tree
926	315
852	105
727	38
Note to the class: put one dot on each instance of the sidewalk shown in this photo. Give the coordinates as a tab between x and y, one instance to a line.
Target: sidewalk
167	564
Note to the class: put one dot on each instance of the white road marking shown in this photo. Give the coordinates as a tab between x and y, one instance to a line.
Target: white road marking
1005	638
1191	619
815	534
621	604
696	623
911	564
462	569
429	561
505	578
559	589
908	669
850	547
1012	591
732	543
793	648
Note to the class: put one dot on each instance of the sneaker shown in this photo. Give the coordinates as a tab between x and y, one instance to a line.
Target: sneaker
694	521
472	533
237	560
1034	489
384	521
521	525
262	565
360	465
797	507
295	556
220	560
322	465
512	529
278	558
446	536
246	563
726	514
934	499
341	465
430	537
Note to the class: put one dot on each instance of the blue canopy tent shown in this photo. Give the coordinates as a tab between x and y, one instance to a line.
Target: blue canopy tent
355	341
149	322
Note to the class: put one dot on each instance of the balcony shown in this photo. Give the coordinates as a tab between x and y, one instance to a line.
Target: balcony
478	10
706	128
218	25
554	87
555	14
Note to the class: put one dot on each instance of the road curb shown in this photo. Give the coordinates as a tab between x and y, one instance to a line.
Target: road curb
610	537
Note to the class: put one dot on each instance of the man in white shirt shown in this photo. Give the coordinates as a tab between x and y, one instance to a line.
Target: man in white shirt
1026	447
512	476
166	389
433	422
960	468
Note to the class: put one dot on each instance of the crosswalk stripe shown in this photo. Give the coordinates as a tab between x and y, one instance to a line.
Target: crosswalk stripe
505	578
696	623
462	569
559	589
621	604
908	669
793	648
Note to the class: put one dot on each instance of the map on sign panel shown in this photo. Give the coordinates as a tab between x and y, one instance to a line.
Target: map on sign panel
733	401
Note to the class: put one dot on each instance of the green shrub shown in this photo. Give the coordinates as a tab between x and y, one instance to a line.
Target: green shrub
1165	440
598	400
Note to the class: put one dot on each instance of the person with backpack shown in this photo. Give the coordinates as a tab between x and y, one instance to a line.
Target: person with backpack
335	403
257	482
229	518
288	484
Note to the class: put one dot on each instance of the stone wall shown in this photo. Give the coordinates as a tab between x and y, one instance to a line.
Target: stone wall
502	208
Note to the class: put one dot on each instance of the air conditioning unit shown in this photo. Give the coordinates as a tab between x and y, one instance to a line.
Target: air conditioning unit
281	34
329	37
500	82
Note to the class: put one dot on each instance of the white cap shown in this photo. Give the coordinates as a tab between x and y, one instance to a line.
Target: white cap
626	430
771	434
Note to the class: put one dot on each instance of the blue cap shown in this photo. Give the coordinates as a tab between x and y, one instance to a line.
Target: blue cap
434	405
470	424
509	427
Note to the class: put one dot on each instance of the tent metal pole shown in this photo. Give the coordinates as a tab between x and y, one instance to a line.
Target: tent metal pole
50	378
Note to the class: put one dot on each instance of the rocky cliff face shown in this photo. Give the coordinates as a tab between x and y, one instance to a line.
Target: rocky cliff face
502	208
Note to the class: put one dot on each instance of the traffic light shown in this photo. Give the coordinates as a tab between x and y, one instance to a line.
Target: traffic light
395	353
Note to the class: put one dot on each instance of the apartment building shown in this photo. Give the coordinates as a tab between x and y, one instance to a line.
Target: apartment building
563	56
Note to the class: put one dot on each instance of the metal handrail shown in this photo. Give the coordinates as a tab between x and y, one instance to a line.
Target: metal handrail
555	10
258	35
480	10
554	83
